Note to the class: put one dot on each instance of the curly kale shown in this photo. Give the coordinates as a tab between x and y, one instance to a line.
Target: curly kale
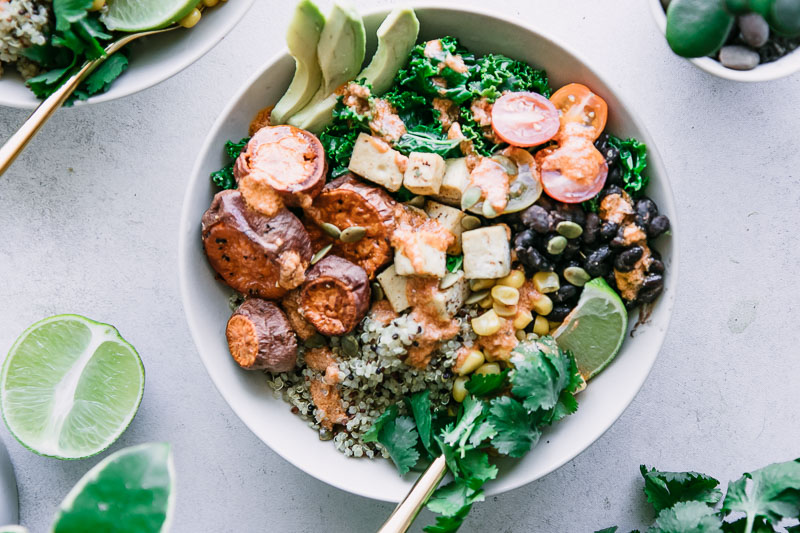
223	178
425	74
496	74
632	161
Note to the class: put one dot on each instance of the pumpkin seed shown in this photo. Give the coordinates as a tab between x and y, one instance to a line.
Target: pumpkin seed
488	210
417	201
315	341
449	279
569	229
577	276
556	245
350	346
352	234
325	434
476	297
509	166
377	291
330	230
471	197
470	222
322	253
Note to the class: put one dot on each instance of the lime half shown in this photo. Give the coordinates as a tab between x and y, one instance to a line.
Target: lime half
595	329
130	491
143	15
70	386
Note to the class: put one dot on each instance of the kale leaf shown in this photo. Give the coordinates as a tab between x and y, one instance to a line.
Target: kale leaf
434	76
339	138
453	263
224	178
429	140
496	74
632	161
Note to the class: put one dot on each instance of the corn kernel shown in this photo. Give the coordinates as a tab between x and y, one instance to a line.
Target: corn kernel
505	311
505	295
472	361
487	324
488	368
191	20
515	279
554	325
486	303
481	284
541	326
545	282
210	3
543	305
460	389
97	5
522	319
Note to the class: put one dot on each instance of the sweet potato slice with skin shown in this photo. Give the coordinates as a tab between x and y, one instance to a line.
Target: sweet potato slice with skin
346	202
335	296
291	304
260	337
289	160
259	256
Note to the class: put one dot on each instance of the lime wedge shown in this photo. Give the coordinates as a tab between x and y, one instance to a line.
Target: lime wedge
142	15
70	386
129	491
595	329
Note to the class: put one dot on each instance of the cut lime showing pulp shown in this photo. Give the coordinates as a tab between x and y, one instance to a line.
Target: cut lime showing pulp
595	329
70	386
142	15
130	491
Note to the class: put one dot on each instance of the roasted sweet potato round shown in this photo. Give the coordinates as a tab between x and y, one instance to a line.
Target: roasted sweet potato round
335	296
259	256
289	160
346	202
260	337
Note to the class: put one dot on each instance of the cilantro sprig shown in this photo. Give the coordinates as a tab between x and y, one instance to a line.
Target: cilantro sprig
503	412
755	503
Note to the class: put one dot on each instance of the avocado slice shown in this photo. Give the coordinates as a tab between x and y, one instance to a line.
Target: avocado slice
397	35
340	52
302	39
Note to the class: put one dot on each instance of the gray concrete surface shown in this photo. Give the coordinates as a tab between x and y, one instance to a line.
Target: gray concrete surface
90	215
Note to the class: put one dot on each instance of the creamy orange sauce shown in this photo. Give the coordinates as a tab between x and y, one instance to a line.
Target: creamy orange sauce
456	63
414	230
482	113
575	158
527	296
385	122
436	328
382	312
498	347
292	270
629	283
319	359
433	50
328	401
448	112
617	208
492	179
461	356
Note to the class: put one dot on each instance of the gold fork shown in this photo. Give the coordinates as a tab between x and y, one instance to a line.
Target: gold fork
17	143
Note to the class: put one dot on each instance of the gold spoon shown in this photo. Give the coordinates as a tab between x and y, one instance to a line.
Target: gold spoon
408	509
17	143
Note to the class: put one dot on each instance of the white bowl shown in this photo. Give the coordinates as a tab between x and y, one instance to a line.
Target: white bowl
205	300
785	66
153	59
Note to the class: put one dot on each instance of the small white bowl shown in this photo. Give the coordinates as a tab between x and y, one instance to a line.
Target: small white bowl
205	300
153	59
785	66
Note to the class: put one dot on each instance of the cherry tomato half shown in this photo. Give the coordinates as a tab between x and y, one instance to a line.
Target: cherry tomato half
577	104
573	172
524	119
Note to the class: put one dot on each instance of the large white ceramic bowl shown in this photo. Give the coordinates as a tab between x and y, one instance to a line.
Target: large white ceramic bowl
153	59
205	300
785	66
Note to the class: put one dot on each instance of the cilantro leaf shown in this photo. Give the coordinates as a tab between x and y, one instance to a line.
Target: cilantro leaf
516	433
535	379
688	517
471	409
665	489
450	499
475	465
773	492
102	78
449	524
483	430
486	384
388	415
454	262
612	529
68	12
759	526
420	405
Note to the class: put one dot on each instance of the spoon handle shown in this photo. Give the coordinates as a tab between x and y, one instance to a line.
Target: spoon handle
406	511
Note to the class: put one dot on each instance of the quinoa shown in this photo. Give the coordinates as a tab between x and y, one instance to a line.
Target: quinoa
23	23
374	377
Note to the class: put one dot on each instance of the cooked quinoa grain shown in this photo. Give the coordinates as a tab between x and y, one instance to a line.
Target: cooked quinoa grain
23	23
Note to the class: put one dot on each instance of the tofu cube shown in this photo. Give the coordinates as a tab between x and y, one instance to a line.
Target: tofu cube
487	254
433	262
375	161
424	173
449	301
450	218
454	182
394	287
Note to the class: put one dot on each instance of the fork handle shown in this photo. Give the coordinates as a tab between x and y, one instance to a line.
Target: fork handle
405	513
14	145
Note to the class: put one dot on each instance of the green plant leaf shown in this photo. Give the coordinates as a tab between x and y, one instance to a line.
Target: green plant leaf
516	433
772	492
688	517
665	489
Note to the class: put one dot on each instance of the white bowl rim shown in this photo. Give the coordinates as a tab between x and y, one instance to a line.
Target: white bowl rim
654	160
785	66
147	82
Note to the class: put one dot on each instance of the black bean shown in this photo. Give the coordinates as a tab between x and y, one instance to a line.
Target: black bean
537	218
559	312
597	262
630	305
592	230
657	226
533	259
627	259
652	281
646	210
610	153
614	176
619	239
571	251
611	279
447	374
609	230
649	296
565	293
572	212
524	239
656	267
